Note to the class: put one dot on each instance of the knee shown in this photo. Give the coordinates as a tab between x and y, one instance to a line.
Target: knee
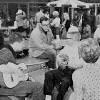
48	75
53	54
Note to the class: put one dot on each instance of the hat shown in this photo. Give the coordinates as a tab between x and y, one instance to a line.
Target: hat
73	33
19	11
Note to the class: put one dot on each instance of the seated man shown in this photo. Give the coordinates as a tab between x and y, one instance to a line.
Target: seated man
23	87
40	43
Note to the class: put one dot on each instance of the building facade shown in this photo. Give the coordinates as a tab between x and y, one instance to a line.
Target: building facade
30	7
91	1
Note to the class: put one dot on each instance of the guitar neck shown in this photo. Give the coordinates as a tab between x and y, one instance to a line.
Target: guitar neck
33	68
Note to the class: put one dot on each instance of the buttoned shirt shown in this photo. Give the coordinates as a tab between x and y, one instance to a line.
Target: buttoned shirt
39	41
86	82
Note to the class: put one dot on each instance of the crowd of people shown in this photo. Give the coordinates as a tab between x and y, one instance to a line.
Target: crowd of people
75	66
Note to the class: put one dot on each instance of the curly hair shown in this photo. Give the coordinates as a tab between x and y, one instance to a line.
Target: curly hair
89	50
62	60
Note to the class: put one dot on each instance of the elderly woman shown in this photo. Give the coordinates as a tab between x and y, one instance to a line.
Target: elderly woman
56	24
86	80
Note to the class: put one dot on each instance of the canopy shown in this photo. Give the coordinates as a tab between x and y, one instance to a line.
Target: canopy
73	3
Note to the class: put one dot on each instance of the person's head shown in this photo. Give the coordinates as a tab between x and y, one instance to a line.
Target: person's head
62	60
44	23
66	16
19	12
89	50
73	33
55	13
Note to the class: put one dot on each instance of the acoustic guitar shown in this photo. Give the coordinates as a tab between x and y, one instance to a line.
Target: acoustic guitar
11	80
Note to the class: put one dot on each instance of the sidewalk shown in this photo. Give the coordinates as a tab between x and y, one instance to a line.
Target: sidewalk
37	75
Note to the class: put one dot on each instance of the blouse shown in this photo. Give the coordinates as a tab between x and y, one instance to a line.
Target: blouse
86	82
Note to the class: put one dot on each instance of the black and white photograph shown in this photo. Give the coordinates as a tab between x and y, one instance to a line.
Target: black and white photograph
49	49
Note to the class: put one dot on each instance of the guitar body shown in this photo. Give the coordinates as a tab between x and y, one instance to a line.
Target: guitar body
11	80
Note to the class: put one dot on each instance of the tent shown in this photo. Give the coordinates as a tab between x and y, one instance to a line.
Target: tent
73	3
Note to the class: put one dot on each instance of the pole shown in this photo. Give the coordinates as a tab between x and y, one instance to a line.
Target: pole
72	13
96	7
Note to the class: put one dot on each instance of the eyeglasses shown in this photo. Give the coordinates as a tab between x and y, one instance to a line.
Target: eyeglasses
46	25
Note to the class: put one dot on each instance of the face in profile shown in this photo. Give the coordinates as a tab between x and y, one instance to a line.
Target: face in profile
45	26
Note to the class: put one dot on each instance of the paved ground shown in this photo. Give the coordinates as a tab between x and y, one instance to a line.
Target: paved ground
38	75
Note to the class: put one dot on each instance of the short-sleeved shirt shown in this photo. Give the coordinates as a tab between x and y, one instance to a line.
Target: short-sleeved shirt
56	22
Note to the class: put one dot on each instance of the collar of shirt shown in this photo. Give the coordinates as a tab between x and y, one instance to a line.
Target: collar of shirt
48	35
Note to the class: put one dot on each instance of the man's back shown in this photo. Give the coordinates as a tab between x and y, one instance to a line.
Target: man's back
38	16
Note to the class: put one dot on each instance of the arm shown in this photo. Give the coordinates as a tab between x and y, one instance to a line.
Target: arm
51	35
89	31
11	49
77	84
53	23
96	20
5	69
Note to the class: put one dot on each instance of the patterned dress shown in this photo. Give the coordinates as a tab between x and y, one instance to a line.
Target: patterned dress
87	83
